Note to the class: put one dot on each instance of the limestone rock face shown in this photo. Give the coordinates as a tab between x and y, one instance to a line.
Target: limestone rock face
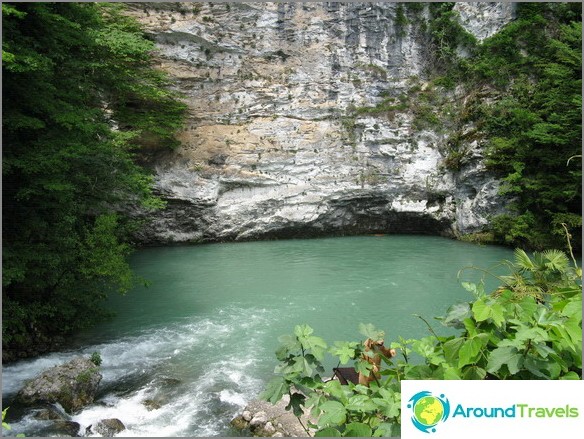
483	19
73	385
281	140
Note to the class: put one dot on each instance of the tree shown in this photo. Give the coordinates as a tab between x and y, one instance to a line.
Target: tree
535	125
80	97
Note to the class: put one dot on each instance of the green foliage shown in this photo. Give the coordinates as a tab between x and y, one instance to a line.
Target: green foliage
80	100
534	126
85	376
529	328
448	37
96	358
4	424
7	426
530	73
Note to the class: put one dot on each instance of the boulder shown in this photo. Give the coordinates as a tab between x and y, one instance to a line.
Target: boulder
239	423
60	428
109	427
73	385
151	404
49	414
66	428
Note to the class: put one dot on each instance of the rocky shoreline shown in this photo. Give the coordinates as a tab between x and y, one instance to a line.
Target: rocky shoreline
63	390
263	419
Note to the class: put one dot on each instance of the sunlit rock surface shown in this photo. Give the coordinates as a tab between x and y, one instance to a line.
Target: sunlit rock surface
274	145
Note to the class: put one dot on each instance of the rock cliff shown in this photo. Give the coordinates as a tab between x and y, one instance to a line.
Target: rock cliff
314	119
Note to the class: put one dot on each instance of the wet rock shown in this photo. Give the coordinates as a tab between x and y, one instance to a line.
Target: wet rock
48	414
73	385
67	428
151	404
60	428
109	427
239	423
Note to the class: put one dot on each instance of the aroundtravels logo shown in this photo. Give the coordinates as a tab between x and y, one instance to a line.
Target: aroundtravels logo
428	410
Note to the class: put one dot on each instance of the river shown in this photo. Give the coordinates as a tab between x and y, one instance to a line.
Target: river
199	341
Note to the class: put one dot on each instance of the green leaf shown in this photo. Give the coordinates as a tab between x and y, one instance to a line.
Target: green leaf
344	350
570	376
357	429
456	315
450	373
371	332
469	351
333	413
275	389
474	373
361	403
424	346
296	404
335	389
508	355
451	349
481	311
470	327
542	368
387	406
497	313
302	331
363	367
418	372
386	429
288	344
328	432
311	343
523	261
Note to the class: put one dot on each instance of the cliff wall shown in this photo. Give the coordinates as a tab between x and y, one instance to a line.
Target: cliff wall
314	119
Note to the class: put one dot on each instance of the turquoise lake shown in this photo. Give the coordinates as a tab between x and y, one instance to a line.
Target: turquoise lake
200	339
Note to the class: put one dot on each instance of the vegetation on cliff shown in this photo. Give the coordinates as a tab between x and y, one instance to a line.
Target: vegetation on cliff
529	79
80	98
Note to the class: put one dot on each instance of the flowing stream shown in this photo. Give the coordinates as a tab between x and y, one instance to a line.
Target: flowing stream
184	355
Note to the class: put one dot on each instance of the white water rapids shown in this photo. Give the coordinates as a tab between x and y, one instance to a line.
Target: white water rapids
197	393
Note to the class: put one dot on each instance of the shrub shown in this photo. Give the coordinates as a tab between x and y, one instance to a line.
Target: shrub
96	358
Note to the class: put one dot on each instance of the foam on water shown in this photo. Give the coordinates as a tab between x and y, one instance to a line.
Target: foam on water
185	379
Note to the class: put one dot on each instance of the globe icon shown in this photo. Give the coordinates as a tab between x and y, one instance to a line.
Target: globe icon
428	410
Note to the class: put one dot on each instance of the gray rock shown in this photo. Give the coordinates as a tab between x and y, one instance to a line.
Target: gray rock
66	428
258	420
239	423
73	385
109	427
274	420
269	429
49	414
151	404
279	151
246	415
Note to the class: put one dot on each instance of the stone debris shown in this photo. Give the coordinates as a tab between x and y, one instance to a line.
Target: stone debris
265	419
